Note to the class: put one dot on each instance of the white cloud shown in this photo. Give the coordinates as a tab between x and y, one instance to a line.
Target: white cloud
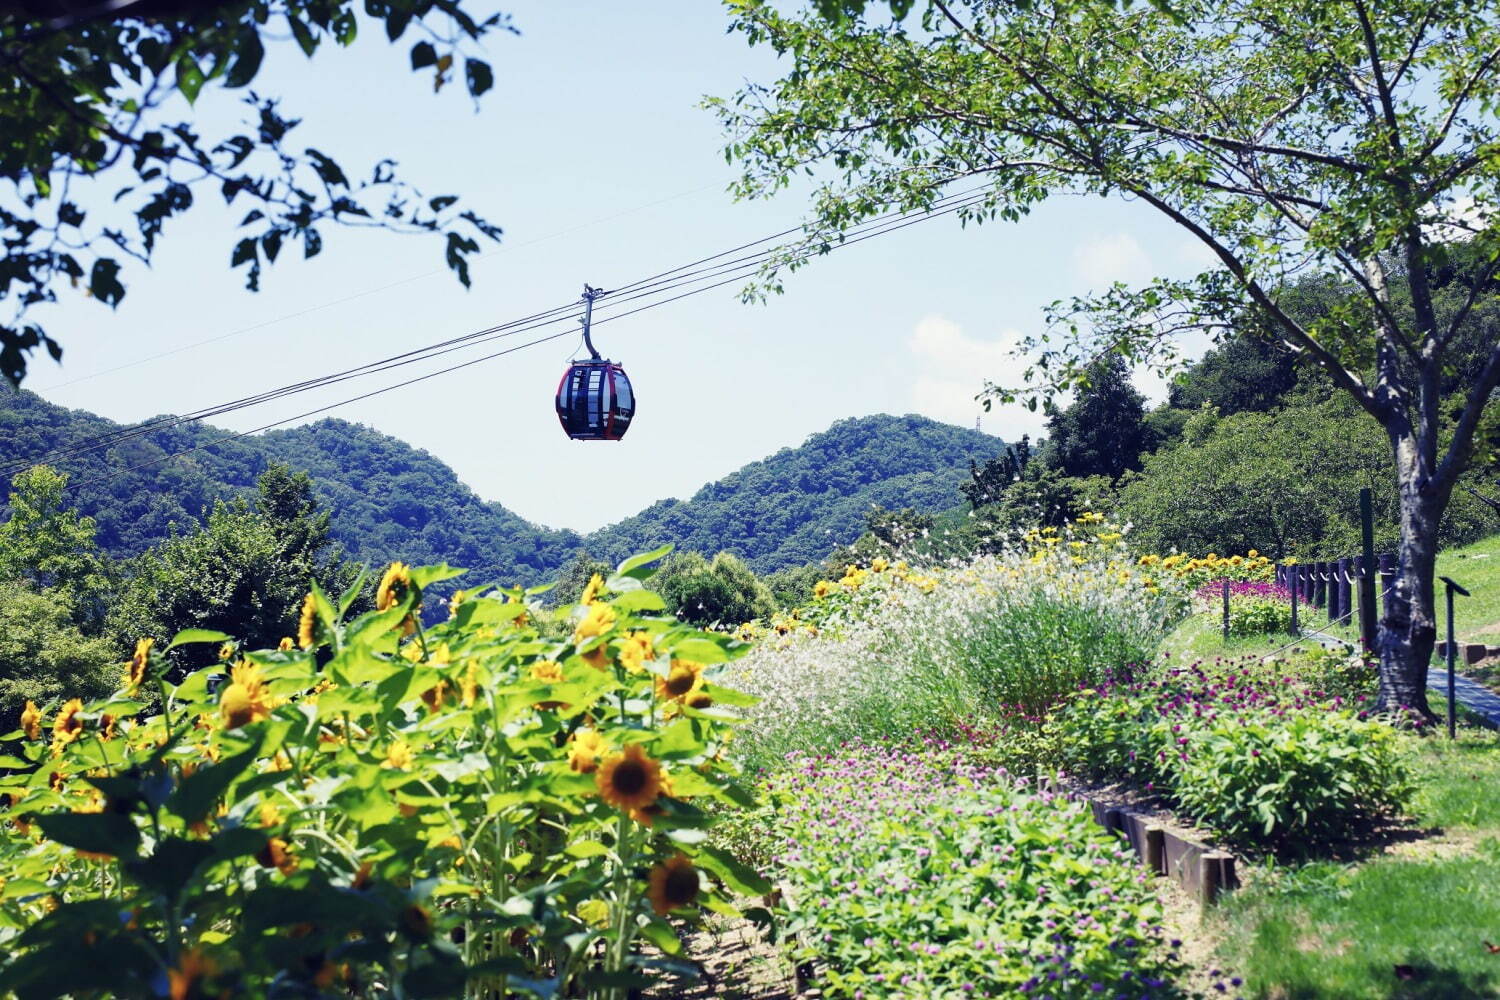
1100	261
950	370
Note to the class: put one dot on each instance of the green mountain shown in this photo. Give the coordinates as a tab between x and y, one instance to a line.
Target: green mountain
390	500
790	509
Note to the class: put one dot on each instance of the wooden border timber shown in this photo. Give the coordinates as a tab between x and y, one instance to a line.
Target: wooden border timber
1203	872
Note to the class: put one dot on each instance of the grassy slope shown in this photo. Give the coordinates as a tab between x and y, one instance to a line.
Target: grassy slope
1332	931
1476	568
1409	922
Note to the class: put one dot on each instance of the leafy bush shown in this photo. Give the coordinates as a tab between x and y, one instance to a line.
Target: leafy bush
388	810
913	873
1261	758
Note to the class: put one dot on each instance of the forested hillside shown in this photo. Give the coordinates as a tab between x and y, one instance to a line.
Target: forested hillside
390	500
792	508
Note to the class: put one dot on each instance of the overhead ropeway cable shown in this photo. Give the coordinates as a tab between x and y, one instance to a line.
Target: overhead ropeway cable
703	275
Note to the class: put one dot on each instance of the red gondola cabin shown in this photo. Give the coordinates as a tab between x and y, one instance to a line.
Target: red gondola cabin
595	401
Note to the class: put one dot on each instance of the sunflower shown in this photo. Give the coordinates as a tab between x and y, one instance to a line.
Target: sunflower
68	726
434	696
186	977
673	883
547	671
277	854
587	747
453	602
394	586
599	620
598	657
135	670
107	726
398	756
591	592
226	651
307	625
245	699
685	677
629	780
636	650
31	721
469	688
286	645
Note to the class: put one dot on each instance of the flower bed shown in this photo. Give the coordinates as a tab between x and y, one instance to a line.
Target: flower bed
1261	757
896	650
920	875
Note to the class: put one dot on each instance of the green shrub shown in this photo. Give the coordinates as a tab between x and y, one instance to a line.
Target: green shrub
914	874
1258	616
1249	752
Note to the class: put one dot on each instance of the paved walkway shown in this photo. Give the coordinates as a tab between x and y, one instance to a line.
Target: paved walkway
1475	697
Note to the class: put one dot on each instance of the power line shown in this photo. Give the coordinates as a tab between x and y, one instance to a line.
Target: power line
369	291
656	287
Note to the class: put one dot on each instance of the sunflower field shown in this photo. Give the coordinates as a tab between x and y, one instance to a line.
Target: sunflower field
484	807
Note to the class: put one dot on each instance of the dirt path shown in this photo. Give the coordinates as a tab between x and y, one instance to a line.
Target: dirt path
739	963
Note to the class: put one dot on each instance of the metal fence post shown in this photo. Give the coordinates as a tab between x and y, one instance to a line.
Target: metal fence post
1226	609
1367	569
1295	630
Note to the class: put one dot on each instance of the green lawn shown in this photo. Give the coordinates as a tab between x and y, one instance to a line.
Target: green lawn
1410	922
1477	568
1411	919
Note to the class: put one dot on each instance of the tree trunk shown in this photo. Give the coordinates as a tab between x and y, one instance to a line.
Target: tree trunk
1408	626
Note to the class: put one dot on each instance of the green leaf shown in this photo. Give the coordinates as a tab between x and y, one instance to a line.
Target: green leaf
101	833
636	601
303	34
736	874
189	77
636	566
423	54
201	790
191	635
479	76
171	865
247	59
660	933
104	282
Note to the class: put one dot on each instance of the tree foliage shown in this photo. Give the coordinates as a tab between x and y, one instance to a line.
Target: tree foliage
1102	432
244	573
98	160
721	591
44	657
47	545
1287	136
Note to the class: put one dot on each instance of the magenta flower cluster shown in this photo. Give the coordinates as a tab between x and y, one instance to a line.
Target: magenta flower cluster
916	872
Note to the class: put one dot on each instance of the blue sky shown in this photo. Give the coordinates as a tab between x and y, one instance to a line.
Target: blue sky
592	154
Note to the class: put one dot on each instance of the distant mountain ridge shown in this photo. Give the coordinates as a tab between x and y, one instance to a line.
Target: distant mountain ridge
390	500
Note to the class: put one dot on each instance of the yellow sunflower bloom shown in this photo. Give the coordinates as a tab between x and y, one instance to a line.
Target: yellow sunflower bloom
31	720
636	650
393	586
684	678
547	671
399	756
599	620
68	726
673	884
585	748
135	670
629	780
591	591
245	699
307	625
822	589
